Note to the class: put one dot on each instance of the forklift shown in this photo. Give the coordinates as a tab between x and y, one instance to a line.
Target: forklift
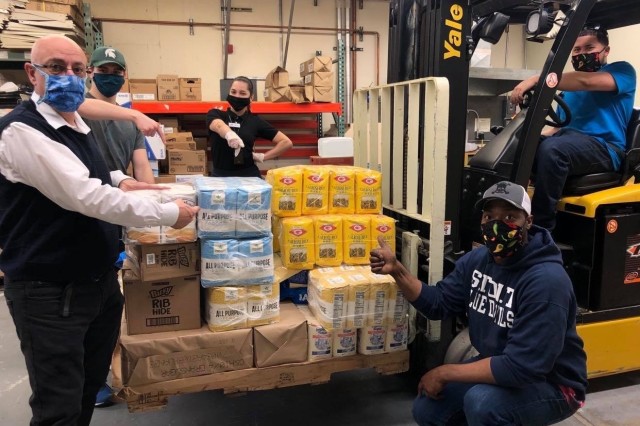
598	218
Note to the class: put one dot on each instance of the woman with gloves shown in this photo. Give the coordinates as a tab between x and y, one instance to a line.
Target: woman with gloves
233	133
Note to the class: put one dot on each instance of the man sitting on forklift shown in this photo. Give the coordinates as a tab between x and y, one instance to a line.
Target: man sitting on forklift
531	368
600	97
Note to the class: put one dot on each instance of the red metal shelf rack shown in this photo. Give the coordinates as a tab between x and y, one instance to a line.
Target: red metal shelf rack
301	122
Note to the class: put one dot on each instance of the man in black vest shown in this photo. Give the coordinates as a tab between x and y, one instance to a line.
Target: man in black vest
59	207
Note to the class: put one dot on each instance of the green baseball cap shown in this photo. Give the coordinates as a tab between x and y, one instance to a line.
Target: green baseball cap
107	55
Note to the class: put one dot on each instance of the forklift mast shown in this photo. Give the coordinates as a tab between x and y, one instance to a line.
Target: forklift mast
435	36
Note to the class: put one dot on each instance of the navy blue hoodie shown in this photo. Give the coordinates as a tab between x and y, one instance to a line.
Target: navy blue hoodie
521	313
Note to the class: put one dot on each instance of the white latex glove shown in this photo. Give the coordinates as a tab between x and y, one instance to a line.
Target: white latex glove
234	141
258	157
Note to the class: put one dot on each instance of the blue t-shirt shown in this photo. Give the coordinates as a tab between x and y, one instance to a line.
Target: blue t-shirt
605	115
521	313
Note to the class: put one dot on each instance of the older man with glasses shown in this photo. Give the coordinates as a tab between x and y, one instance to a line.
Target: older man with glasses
59	206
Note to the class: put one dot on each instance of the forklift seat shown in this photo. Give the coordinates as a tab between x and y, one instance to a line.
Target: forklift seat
586	184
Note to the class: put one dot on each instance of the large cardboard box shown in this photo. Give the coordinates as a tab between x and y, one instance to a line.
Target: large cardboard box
185	162
143	89
171	122
165	179
159	262
168	87
319	78
323	94
315	64
190	89
301	94
277	94
189	146
165	357
277	77
162	305
179	137
283	342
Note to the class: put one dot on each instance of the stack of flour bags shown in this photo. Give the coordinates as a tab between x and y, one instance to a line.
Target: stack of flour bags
234	226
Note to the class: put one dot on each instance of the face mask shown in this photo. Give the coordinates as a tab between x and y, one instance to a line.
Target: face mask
238	103
501	238
587	62
108	84
63	93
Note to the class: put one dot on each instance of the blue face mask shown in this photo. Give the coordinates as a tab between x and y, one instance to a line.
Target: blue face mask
108	84
63	93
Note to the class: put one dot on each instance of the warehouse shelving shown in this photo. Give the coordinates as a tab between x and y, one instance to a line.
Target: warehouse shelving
302	123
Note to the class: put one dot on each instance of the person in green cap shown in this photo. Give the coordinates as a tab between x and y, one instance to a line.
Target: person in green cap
120	142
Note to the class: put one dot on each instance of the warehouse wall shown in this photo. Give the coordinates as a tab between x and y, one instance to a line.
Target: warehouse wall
163	49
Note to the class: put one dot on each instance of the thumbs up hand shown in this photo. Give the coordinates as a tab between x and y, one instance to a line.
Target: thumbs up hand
382	260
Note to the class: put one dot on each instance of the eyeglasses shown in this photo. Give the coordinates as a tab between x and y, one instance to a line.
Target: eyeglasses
58	69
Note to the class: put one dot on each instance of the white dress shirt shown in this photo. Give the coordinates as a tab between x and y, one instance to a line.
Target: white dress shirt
27	156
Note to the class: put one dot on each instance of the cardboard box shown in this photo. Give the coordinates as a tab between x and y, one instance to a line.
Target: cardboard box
184	162
277	77
315	64
301	94
163	305
190	89
283	342
159	262
71	9
143	89
165	179
169	122
189	146
319	78
323	94
179	137
168	87
277	94
165	357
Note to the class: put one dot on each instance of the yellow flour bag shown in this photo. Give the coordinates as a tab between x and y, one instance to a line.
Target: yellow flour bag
297	242
342	190
357	239
226	308
315	190
368	191
328	233
286	198
385	227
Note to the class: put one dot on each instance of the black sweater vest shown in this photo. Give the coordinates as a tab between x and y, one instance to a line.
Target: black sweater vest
40	240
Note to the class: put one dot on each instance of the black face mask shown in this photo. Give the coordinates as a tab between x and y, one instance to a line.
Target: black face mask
587	62
238	103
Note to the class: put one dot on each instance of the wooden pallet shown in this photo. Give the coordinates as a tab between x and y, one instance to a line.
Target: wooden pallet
155	396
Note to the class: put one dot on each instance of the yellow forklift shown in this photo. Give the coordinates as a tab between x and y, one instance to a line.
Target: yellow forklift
431	192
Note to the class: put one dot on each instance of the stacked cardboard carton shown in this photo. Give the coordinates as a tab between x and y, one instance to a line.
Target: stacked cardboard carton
161	276
166	87
318	76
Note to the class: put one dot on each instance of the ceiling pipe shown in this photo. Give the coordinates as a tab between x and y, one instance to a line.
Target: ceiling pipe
286	48
277	28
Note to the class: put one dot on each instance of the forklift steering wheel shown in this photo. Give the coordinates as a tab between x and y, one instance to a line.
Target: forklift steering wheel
555	120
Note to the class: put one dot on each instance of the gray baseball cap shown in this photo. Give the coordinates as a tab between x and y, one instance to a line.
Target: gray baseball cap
107	55
509	192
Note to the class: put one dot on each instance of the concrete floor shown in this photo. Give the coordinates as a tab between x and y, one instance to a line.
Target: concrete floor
351	398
